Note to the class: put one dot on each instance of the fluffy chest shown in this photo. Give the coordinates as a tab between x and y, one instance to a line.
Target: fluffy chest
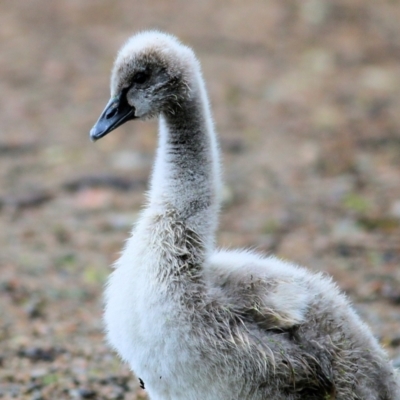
156	340
145	329
136	317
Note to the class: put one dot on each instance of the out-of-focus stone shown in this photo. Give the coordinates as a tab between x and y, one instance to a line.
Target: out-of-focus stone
314	12
129	160
319	61
379	78
309	152
93	198
120	221
396	362
395	209
227	196
345	228
326	117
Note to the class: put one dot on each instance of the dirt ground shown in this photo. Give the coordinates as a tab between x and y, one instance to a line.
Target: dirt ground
306	99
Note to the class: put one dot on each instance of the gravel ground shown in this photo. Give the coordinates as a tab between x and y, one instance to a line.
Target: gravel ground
306	98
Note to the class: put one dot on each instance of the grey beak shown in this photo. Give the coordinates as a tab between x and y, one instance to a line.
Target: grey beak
116	113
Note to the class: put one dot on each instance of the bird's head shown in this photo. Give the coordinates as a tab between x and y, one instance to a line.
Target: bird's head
152	74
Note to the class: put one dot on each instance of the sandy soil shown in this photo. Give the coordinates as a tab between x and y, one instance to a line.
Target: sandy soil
306	98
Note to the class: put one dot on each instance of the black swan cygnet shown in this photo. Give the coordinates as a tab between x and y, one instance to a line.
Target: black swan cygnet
197	323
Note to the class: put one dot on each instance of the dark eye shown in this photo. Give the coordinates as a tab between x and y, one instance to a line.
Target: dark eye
140	77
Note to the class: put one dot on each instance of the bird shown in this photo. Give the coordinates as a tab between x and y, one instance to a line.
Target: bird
197	322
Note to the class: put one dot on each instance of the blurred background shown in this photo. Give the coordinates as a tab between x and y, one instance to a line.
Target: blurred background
306	99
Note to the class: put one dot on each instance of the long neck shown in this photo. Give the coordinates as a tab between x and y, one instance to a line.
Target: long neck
186	176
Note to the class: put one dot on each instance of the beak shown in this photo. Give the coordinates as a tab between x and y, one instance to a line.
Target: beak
116	113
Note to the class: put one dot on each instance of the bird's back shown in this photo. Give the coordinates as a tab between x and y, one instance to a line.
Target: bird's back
315	344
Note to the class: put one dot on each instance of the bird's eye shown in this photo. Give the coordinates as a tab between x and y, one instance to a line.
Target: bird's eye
140	77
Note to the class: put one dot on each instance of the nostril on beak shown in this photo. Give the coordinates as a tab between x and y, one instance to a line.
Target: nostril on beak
111	112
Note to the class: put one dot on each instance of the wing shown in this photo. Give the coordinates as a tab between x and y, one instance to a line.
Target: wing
273	295
269	290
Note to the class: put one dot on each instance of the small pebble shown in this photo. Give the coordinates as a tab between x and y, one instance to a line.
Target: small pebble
396	363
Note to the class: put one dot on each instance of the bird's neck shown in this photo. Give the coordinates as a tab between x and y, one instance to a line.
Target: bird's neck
186	176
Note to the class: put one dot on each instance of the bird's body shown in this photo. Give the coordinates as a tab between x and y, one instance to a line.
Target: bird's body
197	323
